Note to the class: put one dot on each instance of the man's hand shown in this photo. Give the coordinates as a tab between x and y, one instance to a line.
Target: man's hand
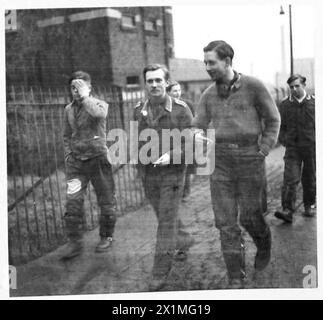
261	153
199	136
82	87
109	157
163	160
67	157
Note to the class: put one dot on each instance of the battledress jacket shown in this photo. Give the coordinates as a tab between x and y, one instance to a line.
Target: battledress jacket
174	114
85	128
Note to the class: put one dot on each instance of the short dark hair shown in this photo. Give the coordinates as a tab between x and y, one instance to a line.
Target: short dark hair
171	85
154	67
222	48
80	75
295	77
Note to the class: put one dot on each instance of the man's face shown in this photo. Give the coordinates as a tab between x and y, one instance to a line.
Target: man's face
78	87
215	67
297	88
175	91
156	83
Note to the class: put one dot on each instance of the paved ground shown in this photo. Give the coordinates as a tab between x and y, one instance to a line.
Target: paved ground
126	268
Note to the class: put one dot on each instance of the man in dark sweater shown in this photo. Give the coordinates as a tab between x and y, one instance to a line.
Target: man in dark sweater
297	134
246	123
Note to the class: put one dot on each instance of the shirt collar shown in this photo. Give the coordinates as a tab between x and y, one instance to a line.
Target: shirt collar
236	80
168	105
291	98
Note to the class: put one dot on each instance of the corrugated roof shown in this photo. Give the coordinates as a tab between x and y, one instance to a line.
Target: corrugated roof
188	70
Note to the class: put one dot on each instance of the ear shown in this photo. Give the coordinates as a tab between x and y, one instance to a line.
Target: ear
227	61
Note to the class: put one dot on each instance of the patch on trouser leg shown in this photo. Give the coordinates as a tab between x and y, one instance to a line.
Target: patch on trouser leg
73	186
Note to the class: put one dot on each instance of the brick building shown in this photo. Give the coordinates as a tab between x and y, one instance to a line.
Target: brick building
43	46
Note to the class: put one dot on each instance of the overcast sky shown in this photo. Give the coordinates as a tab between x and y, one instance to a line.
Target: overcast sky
253	30
252	27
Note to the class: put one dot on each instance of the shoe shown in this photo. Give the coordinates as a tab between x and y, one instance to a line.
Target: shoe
263	252
156	283
309	211
73	249
180	255
236	284
286	215
185	243
104	245
183	246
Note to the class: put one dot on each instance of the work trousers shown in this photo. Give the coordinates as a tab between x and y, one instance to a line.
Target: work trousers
237	193
300	165
163	188
79	173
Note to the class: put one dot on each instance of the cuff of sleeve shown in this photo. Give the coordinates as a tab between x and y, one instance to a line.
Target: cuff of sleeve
86	99
67	154
264	148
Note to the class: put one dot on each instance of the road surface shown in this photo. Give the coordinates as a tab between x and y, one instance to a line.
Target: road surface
127	267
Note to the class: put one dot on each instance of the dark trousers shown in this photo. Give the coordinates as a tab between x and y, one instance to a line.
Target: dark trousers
78	174
237	185
163	188
300	165
187	185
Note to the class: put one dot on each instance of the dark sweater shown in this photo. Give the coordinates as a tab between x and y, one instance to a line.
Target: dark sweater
297	122
247	114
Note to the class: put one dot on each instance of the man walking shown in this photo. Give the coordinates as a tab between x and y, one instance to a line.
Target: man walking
236	105
174	90
162	178
86	161
297	134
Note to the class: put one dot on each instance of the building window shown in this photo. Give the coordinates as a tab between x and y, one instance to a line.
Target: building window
128	22
133	81
150	26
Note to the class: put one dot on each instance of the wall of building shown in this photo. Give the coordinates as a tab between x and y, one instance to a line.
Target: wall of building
49	44
134	47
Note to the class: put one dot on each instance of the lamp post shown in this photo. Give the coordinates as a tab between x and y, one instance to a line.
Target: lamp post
290	37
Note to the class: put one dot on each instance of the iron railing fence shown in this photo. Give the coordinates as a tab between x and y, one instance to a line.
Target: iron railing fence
35	166
36	172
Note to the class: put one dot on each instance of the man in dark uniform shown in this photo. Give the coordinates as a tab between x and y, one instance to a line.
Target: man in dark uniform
175	91
237	105
162	179
297	134
86	160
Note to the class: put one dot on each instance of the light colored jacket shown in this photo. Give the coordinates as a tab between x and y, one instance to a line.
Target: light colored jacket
85	128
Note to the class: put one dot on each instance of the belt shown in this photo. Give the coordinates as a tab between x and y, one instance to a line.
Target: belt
235	145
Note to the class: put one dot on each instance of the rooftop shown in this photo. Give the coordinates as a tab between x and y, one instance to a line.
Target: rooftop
182	69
